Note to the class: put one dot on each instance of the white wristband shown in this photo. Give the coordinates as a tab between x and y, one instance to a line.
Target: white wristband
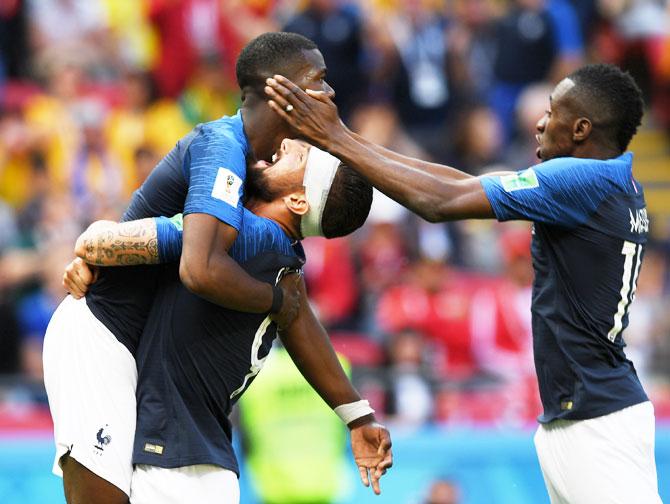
353	411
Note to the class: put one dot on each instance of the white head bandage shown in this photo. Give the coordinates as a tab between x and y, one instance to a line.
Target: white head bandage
319	175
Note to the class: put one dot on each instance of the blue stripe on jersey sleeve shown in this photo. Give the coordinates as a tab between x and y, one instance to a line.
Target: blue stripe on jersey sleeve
169	238
566	193
215	166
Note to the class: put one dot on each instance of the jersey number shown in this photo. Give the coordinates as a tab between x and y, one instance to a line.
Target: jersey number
256	361
631	251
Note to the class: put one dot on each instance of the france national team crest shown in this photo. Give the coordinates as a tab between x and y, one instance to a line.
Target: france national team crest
102	439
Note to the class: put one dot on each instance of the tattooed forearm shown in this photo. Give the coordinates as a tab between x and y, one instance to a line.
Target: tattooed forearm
124	244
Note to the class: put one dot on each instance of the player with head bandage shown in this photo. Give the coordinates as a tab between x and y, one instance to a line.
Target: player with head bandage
306	192
92	399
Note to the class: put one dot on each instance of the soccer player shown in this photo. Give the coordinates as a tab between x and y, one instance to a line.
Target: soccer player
595	442
195	359
203	176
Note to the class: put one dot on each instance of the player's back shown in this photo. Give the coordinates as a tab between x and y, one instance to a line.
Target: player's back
590	228
121	297
195	358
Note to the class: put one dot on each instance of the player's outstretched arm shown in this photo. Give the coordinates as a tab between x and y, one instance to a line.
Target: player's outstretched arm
435	192
309	346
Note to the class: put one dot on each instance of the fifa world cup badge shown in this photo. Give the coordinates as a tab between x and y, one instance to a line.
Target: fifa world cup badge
230	181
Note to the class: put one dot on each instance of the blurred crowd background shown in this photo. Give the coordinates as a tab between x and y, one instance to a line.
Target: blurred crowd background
434	319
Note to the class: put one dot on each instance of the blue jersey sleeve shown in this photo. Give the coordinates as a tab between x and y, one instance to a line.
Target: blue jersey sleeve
215	167
562	191
169	238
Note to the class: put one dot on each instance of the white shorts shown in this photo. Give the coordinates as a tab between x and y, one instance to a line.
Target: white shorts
604	460
90	378
204	484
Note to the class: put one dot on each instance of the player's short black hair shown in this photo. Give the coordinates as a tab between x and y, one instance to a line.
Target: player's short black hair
268	54
348	203
613	99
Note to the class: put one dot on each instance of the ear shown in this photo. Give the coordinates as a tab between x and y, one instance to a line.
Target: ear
297	202
581	130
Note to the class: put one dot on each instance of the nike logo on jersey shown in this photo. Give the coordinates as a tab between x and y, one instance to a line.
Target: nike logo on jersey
639	222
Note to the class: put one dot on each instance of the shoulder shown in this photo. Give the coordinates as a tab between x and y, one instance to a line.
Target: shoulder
601	174
226	132
261	227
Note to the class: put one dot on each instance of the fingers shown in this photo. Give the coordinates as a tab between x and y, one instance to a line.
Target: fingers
365	476
283	95
276	98
77	278
319	95
288	89
282	113
375	476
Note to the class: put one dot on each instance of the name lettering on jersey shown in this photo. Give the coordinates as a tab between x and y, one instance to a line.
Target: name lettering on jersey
227	187
639	222
153	448
526	179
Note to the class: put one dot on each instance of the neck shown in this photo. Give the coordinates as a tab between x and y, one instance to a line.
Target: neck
276	211
592	151
265	138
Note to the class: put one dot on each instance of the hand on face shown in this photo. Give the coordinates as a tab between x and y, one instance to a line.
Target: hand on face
312	113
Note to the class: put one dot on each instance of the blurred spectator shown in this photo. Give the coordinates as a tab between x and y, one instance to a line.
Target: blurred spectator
131	32
18	158
96	176
443	491
335	26
435	301
146	159
71	27
638	39
527	49
532	103
648	328
143	119
420	87
478	140
49	116
501	325
14	56
410	401
35	310
331	281
188	30
210	93
472	49
295	444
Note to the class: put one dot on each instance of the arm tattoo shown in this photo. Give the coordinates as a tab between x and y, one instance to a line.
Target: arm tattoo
125	244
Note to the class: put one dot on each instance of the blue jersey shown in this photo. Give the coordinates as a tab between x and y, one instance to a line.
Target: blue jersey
196	358
590	229
204	173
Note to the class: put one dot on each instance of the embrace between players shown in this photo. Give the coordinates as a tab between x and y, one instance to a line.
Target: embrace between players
142	373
